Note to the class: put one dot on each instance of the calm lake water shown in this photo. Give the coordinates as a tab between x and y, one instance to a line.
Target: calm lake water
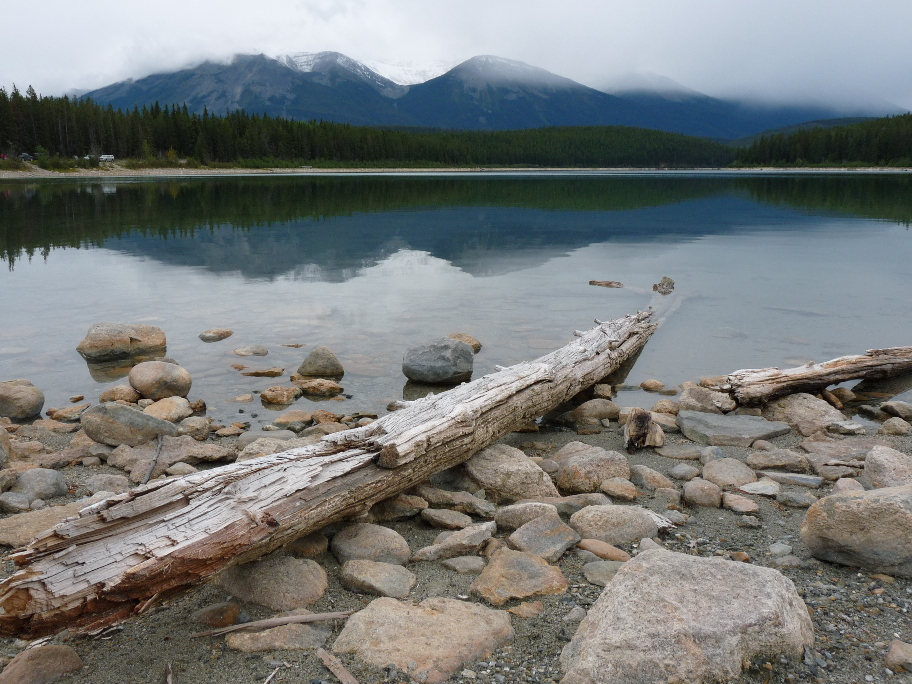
769	270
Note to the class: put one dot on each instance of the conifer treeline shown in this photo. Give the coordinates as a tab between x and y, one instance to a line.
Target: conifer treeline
881	142
76	127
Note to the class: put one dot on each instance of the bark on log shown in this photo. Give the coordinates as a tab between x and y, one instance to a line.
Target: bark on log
120	554
752	387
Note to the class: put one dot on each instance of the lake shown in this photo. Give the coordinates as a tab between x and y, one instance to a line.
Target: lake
770	270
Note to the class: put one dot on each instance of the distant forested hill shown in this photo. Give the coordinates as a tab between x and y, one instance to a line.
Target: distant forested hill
878	142
62	128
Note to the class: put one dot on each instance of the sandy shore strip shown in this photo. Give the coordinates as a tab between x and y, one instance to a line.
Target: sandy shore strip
120	172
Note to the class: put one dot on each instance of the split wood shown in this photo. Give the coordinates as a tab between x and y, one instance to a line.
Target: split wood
757	386
154	462
274	622
97	568
335	666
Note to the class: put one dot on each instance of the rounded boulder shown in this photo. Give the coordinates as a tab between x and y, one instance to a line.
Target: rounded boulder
20	399
159	380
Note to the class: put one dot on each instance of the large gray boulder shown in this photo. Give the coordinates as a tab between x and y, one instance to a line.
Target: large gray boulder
20	399
364	541
728	430
614	524
116	424
507	474
430	641
582	467
40	483
886	467
443	360
109	341
865	529
672	617
805	412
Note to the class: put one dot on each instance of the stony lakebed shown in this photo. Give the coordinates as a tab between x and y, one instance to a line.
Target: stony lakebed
760	545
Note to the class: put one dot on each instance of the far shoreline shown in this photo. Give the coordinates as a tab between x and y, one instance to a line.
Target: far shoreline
116	172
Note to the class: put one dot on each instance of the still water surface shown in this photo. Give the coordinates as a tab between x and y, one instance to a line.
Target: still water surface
772	270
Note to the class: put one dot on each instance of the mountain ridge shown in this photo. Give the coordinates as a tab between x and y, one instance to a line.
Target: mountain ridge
485	92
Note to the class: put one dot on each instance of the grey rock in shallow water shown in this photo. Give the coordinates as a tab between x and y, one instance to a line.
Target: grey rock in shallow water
321	363
443	360
159	380
215	334
728	430
108	341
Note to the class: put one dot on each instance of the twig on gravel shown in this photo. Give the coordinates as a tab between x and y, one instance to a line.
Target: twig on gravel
274	622
154	461
335	666
269	678
169	675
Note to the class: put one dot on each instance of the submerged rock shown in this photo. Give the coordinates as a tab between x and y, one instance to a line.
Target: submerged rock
109	341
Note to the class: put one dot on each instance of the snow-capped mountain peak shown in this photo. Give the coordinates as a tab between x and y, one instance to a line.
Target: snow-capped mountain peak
325	62
410	72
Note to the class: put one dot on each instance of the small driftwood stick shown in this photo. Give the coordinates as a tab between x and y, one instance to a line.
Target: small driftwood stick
751	387
153	462
95	569
335	666
272	675
274	622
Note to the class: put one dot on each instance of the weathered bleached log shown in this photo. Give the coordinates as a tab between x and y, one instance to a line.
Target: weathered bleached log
751	387
120	555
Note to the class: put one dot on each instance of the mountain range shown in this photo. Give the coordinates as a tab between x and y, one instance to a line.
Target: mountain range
482	93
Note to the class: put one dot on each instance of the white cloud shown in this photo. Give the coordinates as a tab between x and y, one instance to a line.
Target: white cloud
787	50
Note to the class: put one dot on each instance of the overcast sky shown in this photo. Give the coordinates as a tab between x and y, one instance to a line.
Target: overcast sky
788	50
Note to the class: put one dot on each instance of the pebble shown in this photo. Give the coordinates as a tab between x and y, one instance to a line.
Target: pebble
251	350
684	471
796	499
215	334
464	565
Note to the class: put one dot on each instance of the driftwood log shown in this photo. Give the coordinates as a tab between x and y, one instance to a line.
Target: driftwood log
119	556
751	387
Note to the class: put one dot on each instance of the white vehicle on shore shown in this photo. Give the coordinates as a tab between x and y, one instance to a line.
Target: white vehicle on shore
106	158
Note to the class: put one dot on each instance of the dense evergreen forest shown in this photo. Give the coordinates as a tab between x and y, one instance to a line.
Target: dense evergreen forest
881	142
61	128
